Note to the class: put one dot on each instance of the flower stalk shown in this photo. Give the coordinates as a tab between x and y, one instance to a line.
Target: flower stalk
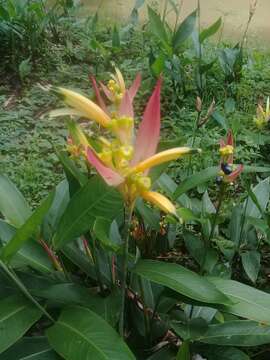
126	233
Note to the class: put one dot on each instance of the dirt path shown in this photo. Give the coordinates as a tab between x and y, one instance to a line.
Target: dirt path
234	13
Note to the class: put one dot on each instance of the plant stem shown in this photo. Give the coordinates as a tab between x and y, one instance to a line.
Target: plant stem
128	218
24	290
195	128
220	199
92	245
200	49
145	313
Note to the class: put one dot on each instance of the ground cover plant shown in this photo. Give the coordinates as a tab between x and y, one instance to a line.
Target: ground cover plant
134	191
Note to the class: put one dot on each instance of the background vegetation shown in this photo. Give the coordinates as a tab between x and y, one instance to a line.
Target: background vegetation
209	87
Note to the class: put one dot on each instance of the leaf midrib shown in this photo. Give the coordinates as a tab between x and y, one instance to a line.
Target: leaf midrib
12	313
83	337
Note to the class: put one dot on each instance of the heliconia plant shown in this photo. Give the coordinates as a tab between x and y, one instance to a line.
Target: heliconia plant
124	159
74	263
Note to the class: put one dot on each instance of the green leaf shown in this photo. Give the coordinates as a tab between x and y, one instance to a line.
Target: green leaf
164	354
156	25
211	30
13	206
81	334
223	353
236	333
248	302
195	180
17	315
235	225
115	37
31	253
30	348
75	178
251	263
258	199
102	229
28	229
185	29
183	353
181	280
209	173
94	199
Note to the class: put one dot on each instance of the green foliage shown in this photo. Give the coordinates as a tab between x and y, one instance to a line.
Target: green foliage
187	280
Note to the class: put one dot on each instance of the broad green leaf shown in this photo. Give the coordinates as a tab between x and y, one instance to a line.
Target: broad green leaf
235	225
30	348
195	180
17	315
13	206
261	192
65	294
236	333
157	26
209	173
181	280
59	205
28	229
75	178
185	29
214	352
251	263
248	302
211	30
81	334
31	253
94	199
183	353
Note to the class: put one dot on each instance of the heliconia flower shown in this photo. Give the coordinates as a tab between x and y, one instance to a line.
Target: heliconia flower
228	171
131	163
120	121
263	116
115	89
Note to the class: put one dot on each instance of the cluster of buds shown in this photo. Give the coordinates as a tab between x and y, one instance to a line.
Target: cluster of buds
228	171
203	119
263	116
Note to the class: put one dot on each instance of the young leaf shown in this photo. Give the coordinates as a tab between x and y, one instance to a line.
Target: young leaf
81	334
185	29
258	199
28	229
181	280
13	206
17	315
157	26
211	30
251	263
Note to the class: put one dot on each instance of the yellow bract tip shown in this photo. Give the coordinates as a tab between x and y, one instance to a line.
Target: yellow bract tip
160	201
84	105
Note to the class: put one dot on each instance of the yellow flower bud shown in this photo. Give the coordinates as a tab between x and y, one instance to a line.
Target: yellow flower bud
226	150
143	183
